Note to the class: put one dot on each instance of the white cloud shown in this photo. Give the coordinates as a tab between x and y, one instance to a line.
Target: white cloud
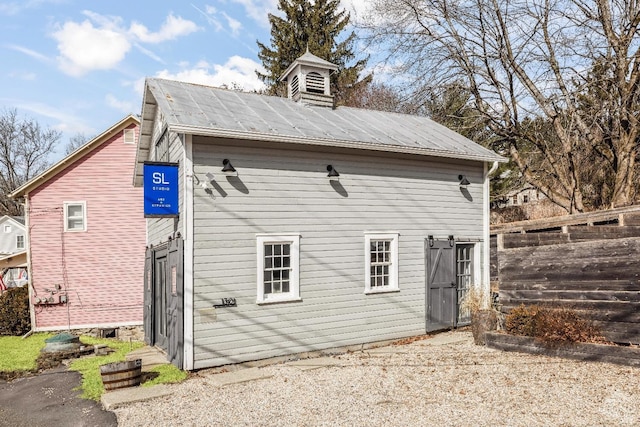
215	17
138	87
14	8
209	14
124	106
149	53
32	53
10	8
258	10
23	76
234	24
172	28
84	47
237	71
357	8
102	42
67	121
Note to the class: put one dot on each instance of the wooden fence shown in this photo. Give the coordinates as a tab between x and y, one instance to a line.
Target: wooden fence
594	269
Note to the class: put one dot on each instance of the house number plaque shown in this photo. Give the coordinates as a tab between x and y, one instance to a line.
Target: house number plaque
226	302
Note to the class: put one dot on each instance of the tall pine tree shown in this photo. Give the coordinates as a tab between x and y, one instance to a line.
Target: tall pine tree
314	25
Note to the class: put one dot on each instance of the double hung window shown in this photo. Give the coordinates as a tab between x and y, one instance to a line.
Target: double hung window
381	262
278	268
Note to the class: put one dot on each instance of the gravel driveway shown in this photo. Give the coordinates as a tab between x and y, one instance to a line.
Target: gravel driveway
415	384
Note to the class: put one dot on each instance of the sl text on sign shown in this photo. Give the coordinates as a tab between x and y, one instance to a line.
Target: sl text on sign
160	182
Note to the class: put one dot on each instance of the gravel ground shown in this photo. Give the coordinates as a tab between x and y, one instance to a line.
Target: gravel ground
416	384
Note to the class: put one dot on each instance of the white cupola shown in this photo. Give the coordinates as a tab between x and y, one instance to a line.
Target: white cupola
308	80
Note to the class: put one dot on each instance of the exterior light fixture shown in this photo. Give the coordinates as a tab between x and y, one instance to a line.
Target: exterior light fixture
430	239
464	182
228	168
451	240
333	174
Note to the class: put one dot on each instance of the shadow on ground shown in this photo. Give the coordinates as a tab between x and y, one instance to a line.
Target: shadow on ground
49	399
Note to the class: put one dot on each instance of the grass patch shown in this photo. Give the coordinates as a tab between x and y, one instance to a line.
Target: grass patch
89	367
166	374
20	355
92	387
17	354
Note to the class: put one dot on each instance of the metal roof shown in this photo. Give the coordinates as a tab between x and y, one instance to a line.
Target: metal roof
209	111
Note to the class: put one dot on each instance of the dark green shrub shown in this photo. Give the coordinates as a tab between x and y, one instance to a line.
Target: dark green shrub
14	312
552	325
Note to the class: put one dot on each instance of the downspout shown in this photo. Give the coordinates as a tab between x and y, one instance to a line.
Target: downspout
493	169
486	273
187	232
27	224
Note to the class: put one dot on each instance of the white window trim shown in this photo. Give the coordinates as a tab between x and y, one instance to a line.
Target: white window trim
84	216
7	228
23	241
131	133
393	271
294	277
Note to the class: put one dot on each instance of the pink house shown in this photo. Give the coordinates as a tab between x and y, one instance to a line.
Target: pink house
86	236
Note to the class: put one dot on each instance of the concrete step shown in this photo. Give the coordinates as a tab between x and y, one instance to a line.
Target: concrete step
151	357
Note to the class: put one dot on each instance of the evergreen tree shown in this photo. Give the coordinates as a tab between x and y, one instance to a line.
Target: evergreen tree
314	25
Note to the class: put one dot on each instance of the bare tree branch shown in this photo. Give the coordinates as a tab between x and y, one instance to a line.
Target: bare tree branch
24	151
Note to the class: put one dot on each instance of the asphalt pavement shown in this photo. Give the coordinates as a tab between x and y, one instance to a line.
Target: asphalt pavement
50	399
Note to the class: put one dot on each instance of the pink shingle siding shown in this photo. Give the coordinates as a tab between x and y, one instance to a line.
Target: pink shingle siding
101	268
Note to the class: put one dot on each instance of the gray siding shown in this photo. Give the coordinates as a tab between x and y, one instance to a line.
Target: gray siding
159	229
286	191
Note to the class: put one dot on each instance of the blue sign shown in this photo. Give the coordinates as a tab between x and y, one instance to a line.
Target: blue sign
160	189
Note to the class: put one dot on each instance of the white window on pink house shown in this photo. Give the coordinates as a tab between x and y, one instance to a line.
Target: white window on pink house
129	136
75	216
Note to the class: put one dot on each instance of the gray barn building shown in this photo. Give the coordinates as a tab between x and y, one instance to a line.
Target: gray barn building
302	226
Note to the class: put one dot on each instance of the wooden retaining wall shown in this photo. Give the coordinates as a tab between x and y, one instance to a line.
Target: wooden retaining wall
628	356
593	269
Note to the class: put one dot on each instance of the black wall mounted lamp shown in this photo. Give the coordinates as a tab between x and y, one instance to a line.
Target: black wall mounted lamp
333	174
464	182
228	168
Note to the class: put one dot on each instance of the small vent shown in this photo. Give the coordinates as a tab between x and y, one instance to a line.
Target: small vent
315	83
129	136
295	86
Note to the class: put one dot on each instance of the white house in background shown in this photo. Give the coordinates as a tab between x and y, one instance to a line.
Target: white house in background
302	226
13	252
12	235
525	195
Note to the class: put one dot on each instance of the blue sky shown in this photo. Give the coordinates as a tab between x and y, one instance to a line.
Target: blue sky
79	67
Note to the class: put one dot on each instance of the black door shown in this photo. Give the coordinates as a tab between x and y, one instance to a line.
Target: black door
160	299
175	303
441	285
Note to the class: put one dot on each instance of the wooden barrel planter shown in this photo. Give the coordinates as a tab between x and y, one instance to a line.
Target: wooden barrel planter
121	374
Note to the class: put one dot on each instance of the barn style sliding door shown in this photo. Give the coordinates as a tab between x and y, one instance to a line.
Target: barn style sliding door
442	293
450	275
